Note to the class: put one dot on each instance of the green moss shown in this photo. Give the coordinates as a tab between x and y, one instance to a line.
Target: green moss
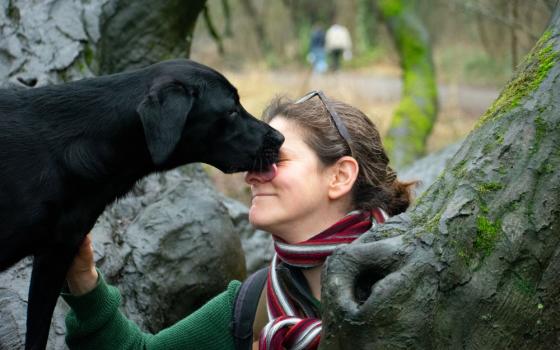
459	170
512	206
500	139
81	65
414	52
414	117
487	147
13	12
410	110
494	142
461	251
432	224
390	8
410	127
408	123
464	255
546	168
88	54
464	252
535	69
486	235
547	58
489	187
525	286
540	129
416	218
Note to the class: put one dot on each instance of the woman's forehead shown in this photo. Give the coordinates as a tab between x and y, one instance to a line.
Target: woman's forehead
291	132
282	123
289	126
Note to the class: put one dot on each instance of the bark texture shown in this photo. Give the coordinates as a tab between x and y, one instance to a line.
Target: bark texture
139	32
416	113
52	41
475	264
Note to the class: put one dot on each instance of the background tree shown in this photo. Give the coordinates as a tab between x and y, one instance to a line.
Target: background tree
475	263
365	26
99	37
258	26
416	113
138	33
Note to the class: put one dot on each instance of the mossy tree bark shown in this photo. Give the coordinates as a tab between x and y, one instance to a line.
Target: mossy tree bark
416	113
138	33
475	264
365	26
50	42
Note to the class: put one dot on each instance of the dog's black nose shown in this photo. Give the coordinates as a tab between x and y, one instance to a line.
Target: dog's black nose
274	138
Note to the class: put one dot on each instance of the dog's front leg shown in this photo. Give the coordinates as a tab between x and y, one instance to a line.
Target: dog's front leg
47	279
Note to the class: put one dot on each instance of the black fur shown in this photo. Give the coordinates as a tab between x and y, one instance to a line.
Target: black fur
67	151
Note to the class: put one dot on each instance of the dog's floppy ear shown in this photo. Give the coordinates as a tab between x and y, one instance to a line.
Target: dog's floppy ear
163	113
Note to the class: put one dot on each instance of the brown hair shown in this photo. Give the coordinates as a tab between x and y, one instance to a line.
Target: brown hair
377	184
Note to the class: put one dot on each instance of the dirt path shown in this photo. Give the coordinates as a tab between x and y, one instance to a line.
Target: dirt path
382	88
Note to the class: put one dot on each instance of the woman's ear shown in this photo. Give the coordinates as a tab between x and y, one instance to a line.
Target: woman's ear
343	175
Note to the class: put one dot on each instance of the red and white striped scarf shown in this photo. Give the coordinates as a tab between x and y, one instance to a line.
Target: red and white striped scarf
291	326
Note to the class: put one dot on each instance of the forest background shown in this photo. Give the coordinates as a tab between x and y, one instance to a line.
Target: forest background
262	47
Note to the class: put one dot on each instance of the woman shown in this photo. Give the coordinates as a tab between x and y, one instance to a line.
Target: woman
332	182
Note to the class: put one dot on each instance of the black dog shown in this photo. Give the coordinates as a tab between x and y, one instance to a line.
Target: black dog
67	151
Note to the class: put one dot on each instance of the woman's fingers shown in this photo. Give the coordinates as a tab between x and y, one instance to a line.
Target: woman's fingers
82	275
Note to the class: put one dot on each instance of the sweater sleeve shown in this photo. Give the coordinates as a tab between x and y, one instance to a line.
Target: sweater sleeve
95	322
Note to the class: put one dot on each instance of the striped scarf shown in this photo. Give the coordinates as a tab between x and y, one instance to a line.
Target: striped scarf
292	324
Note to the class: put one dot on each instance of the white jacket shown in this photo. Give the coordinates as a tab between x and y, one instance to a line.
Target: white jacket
338	37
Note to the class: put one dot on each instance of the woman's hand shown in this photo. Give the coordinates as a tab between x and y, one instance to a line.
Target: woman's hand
82	275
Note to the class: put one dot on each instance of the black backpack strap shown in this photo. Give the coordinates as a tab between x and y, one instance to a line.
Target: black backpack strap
245	307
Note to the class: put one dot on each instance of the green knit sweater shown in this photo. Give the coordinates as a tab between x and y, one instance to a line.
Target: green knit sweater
95	322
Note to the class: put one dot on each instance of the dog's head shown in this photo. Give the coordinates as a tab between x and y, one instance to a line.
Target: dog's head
191	113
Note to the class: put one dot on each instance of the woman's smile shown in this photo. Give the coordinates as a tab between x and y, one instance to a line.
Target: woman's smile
261	195
296	195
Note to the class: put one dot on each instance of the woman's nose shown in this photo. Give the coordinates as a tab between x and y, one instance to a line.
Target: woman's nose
253	177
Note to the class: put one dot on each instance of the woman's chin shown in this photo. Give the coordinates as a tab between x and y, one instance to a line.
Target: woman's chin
254	217
258	221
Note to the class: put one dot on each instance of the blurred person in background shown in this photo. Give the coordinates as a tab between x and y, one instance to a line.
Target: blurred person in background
338	44
317	55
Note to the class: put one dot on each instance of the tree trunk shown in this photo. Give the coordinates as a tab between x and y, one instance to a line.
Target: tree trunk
54	41
365	26
475	264
513	33
138	33
258	26
417	111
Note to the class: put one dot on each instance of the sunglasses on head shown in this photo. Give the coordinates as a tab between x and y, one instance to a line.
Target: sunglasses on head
338	123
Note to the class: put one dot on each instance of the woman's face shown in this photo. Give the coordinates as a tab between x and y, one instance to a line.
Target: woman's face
294	202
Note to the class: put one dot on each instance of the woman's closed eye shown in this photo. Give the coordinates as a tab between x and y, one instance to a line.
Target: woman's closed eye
283	155
282	159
